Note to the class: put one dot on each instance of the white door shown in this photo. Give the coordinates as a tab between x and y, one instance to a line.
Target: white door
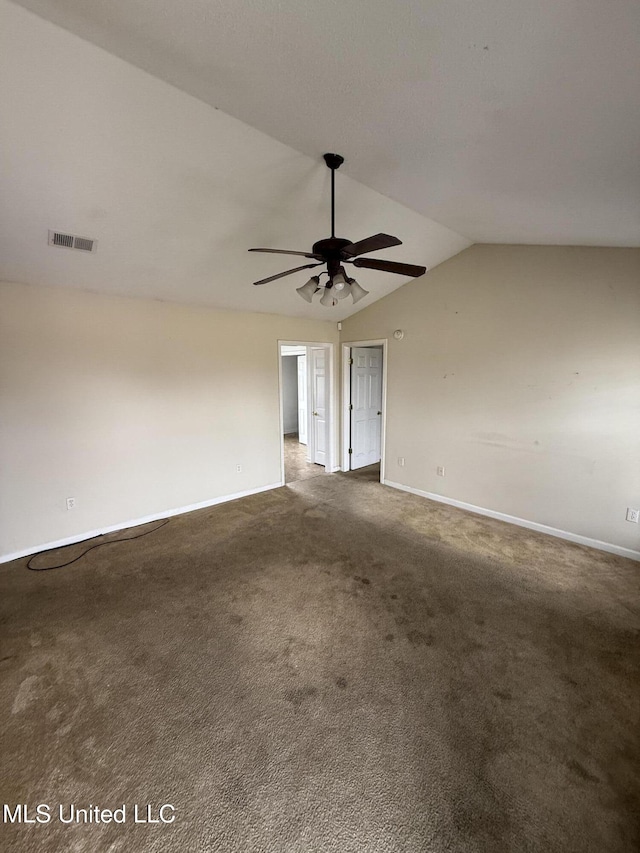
302	399
319	405
366	405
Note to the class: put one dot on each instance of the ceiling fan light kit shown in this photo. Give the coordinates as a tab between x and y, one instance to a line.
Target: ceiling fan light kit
336	251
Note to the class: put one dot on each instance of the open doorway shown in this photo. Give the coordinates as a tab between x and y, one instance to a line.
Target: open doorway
305	403
364	406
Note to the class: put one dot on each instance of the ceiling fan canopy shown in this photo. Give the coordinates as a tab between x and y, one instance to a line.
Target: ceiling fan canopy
334	252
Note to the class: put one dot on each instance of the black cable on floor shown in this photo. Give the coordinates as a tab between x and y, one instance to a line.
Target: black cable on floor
86	551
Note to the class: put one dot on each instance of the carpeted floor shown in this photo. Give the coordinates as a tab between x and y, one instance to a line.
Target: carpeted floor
334	667
296	466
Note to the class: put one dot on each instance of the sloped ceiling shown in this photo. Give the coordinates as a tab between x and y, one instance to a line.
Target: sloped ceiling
505	120
174	191
502	121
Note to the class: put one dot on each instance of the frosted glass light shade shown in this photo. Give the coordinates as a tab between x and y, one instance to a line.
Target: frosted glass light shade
357	292
340	282
307	290
329	299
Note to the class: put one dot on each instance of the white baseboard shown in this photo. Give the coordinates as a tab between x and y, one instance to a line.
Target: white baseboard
510	519
90	534
521	522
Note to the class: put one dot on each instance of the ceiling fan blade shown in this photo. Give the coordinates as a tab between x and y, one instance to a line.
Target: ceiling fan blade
288	272
371	244
389	266
287	252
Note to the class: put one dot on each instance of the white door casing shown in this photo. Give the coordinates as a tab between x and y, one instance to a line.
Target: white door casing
366	406
319	404
327	404
303	411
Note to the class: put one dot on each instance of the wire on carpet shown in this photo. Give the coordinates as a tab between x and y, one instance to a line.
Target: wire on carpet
86	551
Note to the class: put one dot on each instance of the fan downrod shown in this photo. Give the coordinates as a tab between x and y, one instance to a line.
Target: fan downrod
333	161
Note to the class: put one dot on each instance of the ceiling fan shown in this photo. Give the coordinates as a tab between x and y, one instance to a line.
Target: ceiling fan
337	251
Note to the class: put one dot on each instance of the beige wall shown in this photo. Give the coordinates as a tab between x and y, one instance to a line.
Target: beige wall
133	407
519	373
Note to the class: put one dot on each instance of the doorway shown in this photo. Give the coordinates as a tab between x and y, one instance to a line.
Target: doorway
305	406
364	406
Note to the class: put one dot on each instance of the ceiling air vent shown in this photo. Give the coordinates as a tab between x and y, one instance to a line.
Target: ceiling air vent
70	241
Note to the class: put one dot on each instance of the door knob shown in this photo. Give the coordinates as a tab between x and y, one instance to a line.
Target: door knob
379	413
315	414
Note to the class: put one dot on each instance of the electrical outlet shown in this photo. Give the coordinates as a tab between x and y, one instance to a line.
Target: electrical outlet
71	503
401	461
238	469
440	471
633	515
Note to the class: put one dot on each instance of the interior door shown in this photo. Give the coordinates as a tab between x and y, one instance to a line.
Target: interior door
302	399
319	404
366	405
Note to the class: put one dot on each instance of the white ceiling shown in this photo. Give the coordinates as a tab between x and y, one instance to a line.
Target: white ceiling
505	120
174	191
492	122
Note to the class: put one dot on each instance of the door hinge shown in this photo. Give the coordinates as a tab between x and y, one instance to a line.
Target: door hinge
350	407
350	361
350	451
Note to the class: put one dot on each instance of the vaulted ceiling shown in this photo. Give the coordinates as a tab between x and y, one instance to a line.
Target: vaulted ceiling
495	121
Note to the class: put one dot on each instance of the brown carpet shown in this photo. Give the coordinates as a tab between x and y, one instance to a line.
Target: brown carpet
333	667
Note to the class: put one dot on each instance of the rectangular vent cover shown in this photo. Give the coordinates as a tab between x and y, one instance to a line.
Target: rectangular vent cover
70	241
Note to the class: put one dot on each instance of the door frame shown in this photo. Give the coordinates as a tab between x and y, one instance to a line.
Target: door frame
330	465
346	397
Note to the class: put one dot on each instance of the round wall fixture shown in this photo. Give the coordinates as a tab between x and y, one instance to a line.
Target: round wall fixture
398	334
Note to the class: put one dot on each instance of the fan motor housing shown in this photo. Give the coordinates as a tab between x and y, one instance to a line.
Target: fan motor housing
331	247
331	250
